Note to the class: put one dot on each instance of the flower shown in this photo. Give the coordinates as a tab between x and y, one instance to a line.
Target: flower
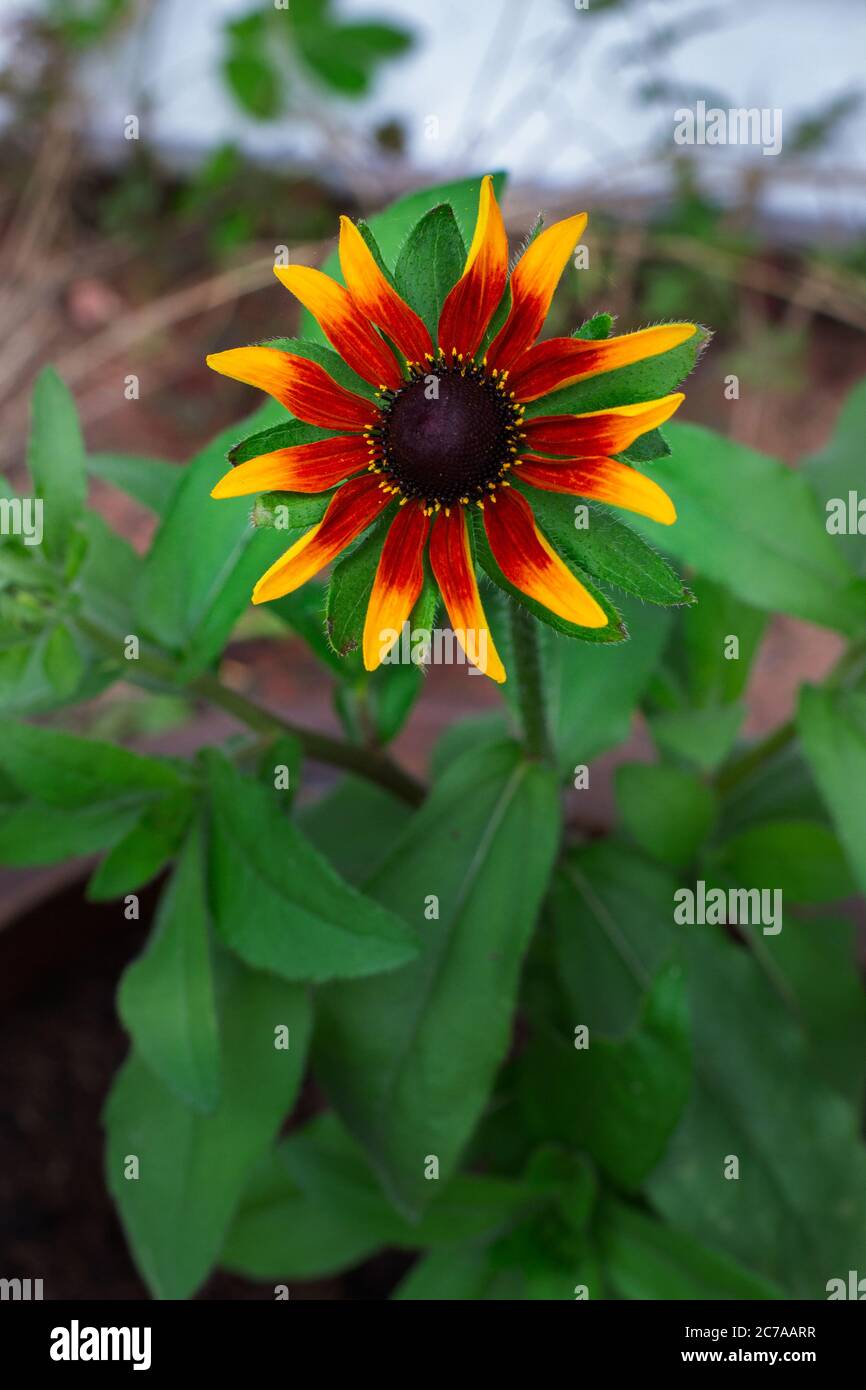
447	431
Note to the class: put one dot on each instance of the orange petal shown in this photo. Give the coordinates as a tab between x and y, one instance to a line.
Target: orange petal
451	563
377	299
471	303
353	507
529	562
604	479
599	431
399	580
533	282
297	383
560	361
301	468
342	323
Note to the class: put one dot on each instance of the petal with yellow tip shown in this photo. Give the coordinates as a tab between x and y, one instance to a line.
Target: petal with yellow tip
376	298
530	563
342	323
302	386
352	509
399	580
451	563
533	281
311	467
559	362
471	303
598	431
604	480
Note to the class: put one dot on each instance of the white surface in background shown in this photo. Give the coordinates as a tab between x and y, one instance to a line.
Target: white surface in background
531	85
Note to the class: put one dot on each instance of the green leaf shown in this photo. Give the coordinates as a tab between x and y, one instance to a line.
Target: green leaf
832	725
150	481
354	826
771	550
593	690
345	57
77	773
286	435
817	962
450	1276
408	1060
755	1097
191	594
642	381
476	731
801	858
250	74
668	811
291	513
192	1168
36	833
613	931
147	847
617	1100
647	447
63	663
598	326
107	580
55	458
837	472
279	770
430	263
314	1207
644	1259
279	905
607	548
392	692
780	788
167	997
713	677
704	737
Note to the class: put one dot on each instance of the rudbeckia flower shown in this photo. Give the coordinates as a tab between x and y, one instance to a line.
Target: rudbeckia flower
446	433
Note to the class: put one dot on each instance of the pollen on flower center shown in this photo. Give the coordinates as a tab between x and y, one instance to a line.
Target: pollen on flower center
448	435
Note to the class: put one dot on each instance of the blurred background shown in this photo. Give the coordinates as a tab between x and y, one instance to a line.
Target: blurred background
156	153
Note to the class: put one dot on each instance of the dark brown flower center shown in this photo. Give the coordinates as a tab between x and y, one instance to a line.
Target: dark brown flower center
448	435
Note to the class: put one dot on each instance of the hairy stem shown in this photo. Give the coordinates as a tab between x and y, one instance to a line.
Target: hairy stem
530	687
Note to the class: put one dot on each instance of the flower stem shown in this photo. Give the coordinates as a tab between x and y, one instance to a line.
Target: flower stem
530	686
351	757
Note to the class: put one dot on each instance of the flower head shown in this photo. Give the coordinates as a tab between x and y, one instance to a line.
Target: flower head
446	434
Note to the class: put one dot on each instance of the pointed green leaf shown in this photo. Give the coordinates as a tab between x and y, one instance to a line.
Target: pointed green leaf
167	998
279	905
409	1059
55	458
430	263
177	1199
